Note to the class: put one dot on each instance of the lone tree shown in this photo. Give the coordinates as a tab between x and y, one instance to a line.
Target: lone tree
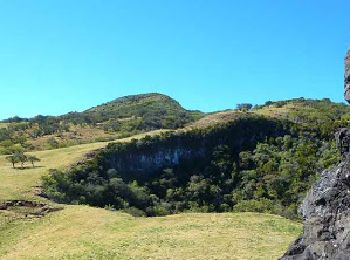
33	159
14	158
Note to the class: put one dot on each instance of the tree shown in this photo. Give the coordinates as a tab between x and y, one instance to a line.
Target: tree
33	159
23	159
13	159
244	106
17	157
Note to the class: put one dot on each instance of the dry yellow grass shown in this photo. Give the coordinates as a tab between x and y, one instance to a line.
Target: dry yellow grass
274	112
76	135
81	232
217	118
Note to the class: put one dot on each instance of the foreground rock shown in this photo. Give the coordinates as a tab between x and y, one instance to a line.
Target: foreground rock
326	213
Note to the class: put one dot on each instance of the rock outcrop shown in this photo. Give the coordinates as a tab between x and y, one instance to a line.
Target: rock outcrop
326	213
326	208
347	77
343	141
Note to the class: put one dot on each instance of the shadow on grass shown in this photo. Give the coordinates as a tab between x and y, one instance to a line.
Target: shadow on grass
26	168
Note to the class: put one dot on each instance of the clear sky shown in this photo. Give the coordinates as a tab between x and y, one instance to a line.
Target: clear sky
63	55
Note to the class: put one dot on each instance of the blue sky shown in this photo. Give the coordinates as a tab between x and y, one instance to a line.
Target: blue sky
62	55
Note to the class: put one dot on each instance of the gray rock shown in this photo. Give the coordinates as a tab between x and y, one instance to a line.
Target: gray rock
343	141
326	214
347	77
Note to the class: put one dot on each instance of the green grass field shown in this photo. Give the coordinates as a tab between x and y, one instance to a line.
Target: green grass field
82	232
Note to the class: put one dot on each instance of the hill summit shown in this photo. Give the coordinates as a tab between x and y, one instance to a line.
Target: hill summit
145	111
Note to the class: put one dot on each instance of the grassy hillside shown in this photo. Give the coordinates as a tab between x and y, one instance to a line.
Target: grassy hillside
302	110
298	110
125	116
90	233
220	117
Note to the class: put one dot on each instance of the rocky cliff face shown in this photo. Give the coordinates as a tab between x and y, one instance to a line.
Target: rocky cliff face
146	158
326	208
146	163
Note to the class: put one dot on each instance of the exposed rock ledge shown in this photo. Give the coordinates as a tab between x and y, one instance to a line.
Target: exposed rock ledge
326	213
28	208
